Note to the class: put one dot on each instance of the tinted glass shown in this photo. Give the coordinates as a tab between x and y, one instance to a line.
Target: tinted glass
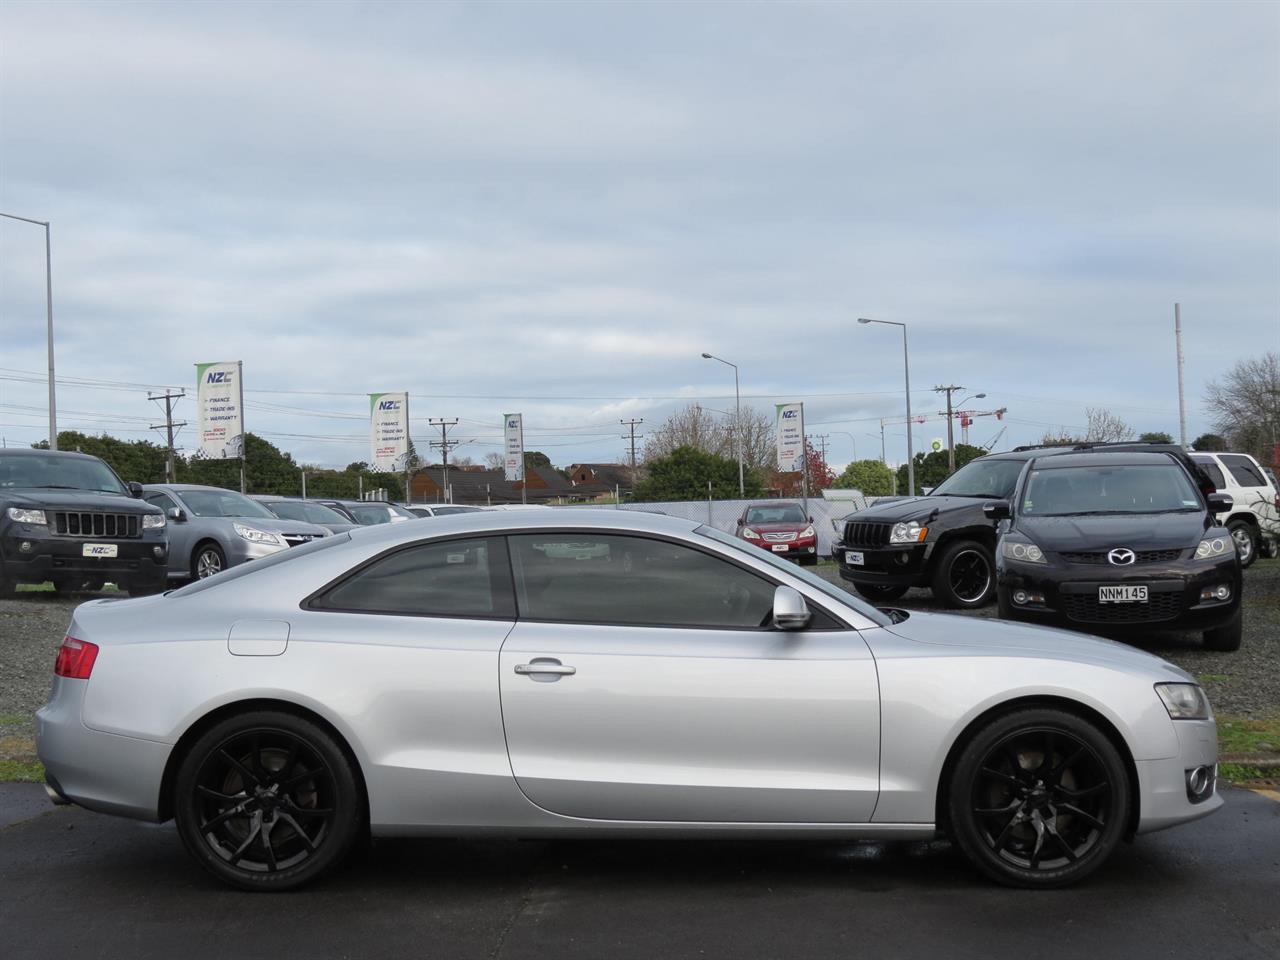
287	510
1075	491
583	577
1212	469
223	503
445	511
307	512
52	471
371	515
781	513
453	578
161	500
993	479
1244	470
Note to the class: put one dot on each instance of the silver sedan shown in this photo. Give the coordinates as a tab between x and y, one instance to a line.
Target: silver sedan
485	673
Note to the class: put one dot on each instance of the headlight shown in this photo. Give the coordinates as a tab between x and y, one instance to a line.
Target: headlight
806	532
27	516
254	535
1022	551
1184	701
153	521
1207	549
908	532
750	534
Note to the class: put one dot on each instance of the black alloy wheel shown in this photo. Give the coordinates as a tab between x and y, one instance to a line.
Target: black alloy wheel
267	801
880	593
1039	798
965	575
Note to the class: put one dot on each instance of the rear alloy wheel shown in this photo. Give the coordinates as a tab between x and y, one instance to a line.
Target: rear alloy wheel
208	560
1246	539
964	576
267	801
880	593
1039	798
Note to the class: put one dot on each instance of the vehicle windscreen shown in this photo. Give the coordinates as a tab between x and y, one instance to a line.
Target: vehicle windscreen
445	511
990	479
402	512
53	472
795	570
1080	491
783	513
223	503
371	515
306	512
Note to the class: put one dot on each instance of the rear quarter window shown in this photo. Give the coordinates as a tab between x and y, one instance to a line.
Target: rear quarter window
1244	470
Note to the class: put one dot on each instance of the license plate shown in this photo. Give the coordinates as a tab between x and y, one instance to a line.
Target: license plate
779	548
853	557
99	550
1122	594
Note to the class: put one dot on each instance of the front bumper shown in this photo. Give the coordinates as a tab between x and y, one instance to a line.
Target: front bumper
140	561
1162	784
900	565
807	547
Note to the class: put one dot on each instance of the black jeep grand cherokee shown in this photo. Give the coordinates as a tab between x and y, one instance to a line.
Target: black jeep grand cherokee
67	518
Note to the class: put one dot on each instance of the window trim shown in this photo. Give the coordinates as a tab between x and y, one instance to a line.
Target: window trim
503	587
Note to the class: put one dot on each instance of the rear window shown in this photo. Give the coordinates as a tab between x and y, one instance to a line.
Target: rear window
1213	470
1244	470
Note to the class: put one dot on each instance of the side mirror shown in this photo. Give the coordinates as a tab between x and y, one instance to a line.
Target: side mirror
135	489
1220	502
997	510
177	515
790	612
811	519
741	521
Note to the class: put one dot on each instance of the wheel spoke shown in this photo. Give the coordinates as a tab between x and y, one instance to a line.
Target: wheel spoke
214	794
1046	758
1014	760
1052	829
220	819
993	811
301	777
1000	775
318	812
1086	792
297	827
1035	852
244	771
1068	762
1086	817
265	835
239	851
291	760
1002	838
255	757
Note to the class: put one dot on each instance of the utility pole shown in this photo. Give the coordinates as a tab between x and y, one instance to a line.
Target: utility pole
445	445
822	446
170	474
951	443
632	425
882	456
1182	399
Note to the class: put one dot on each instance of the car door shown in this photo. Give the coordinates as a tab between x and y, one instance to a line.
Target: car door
643	682
179	532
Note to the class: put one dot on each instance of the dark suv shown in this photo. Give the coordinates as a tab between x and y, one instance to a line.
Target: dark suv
67	518
1112	542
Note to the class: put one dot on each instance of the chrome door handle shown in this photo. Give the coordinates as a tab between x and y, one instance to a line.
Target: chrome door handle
544	669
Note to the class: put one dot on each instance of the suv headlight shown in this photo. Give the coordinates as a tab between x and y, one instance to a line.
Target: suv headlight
153	521
254	535
1184	701
910	532
806	532
1023	551
1210	548
23	515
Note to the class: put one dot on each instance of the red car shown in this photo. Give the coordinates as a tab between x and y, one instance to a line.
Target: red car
780	527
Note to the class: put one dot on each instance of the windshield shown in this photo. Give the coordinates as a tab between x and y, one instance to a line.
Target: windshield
830	589
778	513
223	503
308	512
1075	491
993	479
54	472
371	514
445	511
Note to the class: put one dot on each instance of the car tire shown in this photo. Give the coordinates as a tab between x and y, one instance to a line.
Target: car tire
1226	637
1005	609
964	576
880	593
1038	798
1246	538
273	770
206	560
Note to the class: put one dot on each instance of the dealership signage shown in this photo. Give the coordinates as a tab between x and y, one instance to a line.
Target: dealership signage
513	453
220	409
790	437
389	432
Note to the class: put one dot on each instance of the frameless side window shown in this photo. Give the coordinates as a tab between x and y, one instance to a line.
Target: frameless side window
161	500
1214	472
452	578
582	577
1244	470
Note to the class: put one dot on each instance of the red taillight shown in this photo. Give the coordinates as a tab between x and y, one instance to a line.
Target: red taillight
75	659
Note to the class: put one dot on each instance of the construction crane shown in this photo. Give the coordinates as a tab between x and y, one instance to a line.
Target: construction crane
966	418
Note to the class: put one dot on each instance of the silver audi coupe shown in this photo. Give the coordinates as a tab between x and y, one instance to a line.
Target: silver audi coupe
600	672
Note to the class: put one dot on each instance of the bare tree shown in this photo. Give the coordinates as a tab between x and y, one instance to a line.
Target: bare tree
694	426
1105	427
494	460
759	439
1245	404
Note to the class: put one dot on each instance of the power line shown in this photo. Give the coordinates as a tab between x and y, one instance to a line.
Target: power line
631	424
170	472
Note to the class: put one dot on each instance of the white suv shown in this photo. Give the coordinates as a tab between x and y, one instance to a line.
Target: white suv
1255	518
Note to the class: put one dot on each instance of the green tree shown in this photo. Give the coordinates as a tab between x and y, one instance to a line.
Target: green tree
267	469
1209	443
871	477
1155	436
932	468
683	474
139	460
536	458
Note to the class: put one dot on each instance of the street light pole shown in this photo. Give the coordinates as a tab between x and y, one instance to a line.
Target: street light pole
737	421
48	303
906	370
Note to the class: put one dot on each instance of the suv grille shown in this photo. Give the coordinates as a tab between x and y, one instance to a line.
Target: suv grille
863	533
1086	609
117	526
1142	556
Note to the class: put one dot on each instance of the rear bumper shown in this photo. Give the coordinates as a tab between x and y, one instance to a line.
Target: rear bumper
54	558
1162	784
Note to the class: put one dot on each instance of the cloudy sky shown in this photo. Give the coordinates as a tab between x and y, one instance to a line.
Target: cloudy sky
555	208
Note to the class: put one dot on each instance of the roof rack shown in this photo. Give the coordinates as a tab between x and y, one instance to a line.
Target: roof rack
1156	445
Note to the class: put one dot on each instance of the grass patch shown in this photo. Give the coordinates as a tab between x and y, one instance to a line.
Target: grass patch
24	771
10	719
1243	773
34	588
1214	678
1242	735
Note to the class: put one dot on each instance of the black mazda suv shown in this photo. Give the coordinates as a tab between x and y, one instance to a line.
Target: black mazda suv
1117	542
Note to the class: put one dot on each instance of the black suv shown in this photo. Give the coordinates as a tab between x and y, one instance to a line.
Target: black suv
1110	542
944	540
67	518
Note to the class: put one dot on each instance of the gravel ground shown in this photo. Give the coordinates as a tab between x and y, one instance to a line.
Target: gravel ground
1241	684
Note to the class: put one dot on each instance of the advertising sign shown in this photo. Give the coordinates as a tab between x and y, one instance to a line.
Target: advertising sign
790	437
388	431
513	453
220	410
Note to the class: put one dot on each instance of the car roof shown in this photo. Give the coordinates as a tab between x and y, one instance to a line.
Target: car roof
1118	458
34	452
180	487
774	503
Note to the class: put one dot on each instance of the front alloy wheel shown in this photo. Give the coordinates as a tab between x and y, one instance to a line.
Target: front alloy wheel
964	575
1039	799
267	801
209	560
1246	541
